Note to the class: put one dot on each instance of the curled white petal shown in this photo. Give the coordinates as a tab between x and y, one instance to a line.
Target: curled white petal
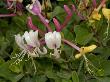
28	39
34	38
20	42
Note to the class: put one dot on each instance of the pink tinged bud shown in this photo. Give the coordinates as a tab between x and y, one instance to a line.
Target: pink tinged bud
73	8
33	27
57	24
7	15
94	3
68	10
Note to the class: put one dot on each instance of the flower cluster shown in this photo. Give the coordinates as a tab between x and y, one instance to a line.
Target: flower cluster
30	44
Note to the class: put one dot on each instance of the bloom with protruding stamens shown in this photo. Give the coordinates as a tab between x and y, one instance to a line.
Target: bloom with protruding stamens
84	50
29	45
34	8
53	41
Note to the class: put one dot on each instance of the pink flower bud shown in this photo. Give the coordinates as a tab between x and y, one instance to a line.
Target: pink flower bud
73	8
94	3
57	24
68	10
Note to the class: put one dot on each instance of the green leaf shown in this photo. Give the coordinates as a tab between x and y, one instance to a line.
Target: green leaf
104	79
7	74
106	66
27	79
75	76
51	74
64	74
17	68
40	78
83	36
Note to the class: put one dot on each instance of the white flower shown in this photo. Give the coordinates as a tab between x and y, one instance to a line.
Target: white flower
53	41
29	44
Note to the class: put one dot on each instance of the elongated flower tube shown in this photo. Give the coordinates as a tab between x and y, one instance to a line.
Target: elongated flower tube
7	15
53	41
29	45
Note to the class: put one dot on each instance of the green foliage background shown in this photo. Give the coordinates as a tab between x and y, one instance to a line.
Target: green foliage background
67	68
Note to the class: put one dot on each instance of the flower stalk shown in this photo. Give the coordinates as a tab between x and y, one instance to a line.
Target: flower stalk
7	15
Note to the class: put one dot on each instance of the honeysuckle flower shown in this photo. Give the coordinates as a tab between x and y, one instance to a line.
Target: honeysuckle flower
84	50
34	8
95	15
53	41
30	44
106	13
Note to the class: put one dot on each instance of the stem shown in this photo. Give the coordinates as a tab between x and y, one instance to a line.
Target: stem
107	31
78	13
7	15
102	3
67	19
34	65
71	44
45	8
33	27
80	66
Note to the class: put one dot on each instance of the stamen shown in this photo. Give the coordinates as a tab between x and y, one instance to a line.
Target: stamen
19	57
